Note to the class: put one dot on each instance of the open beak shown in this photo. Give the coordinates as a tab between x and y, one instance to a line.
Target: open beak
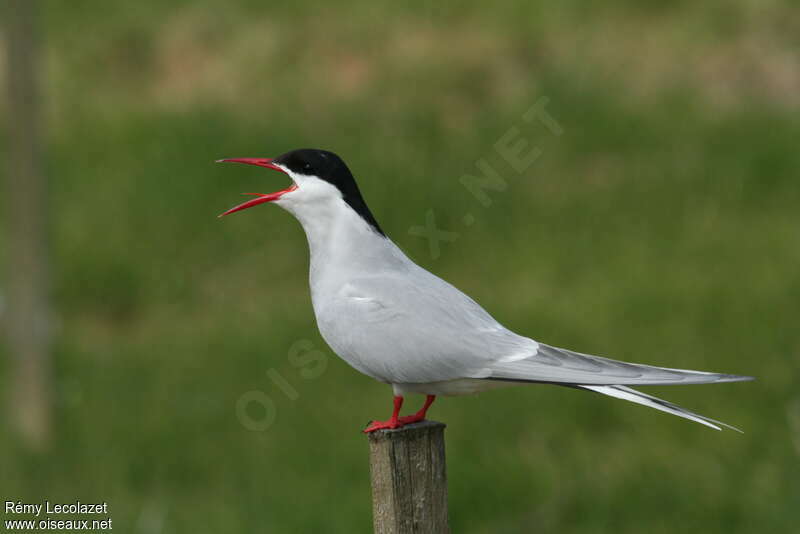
261	198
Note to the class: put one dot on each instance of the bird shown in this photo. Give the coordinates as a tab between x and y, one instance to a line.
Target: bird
400	324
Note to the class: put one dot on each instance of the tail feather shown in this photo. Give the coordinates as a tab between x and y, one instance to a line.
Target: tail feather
629	394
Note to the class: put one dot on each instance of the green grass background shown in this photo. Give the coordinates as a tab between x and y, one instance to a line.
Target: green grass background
661	227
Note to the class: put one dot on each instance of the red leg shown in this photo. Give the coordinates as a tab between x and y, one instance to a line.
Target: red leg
392	422
420	415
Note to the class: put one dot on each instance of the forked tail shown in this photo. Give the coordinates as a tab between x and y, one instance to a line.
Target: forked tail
564	367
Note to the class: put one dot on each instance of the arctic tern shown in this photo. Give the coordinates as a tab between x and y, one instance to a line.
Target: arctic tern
396	322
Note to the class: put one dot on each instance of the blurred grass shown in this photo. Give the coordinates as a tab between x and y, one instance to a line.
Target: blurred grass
661	227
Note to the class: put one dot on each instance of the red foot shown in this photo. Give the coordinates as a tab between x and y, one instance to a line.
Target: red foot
395	421
408	419
382	425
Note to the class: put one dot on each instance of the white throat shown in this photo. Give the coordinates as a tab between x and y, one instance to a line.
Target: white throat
342	244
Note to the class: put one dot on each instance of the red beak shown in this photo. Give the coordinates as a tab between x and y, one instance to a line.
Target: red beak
261	162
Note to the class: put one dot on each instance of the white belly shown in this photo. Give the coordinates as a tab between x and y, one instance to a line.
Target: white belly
451	388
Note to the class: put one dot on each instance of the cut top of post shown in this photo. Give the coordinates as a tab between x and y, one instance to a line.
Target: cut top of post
404	431
409	479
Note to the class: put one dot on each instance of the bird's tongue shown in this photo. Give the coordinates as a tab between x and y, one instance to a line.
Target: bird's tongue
262	198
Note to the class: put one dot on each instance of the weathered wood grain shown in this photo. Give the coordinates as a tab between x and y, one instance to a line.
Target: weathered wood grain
409	479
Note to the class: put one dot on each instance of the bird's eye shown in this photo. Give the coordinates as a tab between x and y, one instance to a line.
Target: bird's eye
307	167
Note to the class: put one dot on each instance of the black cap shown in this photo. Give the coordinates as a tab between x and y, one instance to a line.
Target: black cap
328	166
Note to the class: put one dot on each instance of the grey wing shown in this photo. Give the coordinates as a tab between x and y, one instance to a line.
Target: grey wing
561	366
414	327
417	328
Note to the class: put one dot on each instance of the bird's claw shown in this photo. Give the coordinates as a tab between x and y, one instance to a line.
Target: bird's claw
383	425
392	424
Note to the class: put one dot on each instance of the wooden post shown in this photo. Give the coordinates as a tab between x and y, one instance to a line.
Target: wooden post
409	479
